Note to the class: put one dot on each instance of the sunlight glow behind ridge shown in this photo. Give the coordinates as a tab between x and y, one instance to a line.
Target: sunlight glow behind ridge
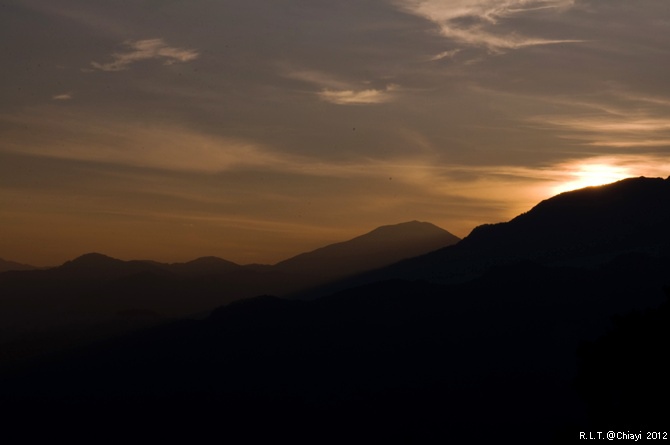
588	175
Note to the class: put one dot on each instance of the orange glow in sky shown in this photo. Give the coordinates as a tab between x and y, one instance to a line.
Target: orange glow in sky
275	128
588	175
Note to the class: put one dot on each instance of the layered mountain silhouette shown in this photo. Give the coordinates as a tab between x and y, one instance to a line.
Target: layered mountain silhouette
584	227
95	292
397	360
12	265
514	329
96	266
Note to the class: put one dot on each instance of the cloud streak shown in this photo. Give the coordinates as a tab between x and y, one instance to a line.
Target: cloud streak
478	23
611	130
339	92
361	97
444	55
64	96
148	49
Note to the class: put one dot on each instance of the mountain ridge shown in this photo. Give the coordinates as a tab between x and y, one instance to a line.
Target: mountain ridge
631	201
380	247
423	355
7	265
412	231
587	226
95	289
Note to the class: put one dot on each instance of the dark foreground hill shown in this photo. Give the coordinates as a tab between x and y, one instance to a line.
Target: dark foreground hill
392	362
587	224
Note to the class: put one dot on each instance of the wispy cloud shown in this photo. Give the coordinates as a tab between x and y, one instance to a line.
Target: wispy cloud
611	130
413	181
360	97
476	22
145	50
339	92
477	36
315	77
444	55
63	96
114	141
610	118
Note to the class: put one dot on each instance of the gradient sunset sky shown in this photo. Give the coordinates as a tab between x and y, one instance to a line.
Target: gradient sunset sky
254	130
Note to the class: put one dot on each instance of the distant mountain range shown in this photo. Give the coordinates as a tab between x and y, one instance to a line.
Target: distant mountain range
104	294
11	265
518	327
96	265
383	246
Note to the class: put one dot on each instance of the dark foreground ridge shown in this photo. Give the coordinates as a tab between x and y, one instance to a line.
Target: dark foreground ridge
522	348
530	350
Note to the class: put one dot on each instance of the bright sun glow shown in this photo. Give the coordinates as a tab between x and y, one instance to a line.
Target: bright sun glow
587	175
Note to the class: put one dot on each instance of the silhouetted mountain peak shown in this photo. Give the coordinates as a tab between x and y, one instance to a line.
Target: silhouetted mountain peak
377	248
204	266
612	212
410	228
584	227
92	260
97	265
211	260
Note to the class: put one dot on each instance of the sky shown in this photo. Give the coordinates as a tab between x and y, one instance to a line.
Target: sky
254	130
